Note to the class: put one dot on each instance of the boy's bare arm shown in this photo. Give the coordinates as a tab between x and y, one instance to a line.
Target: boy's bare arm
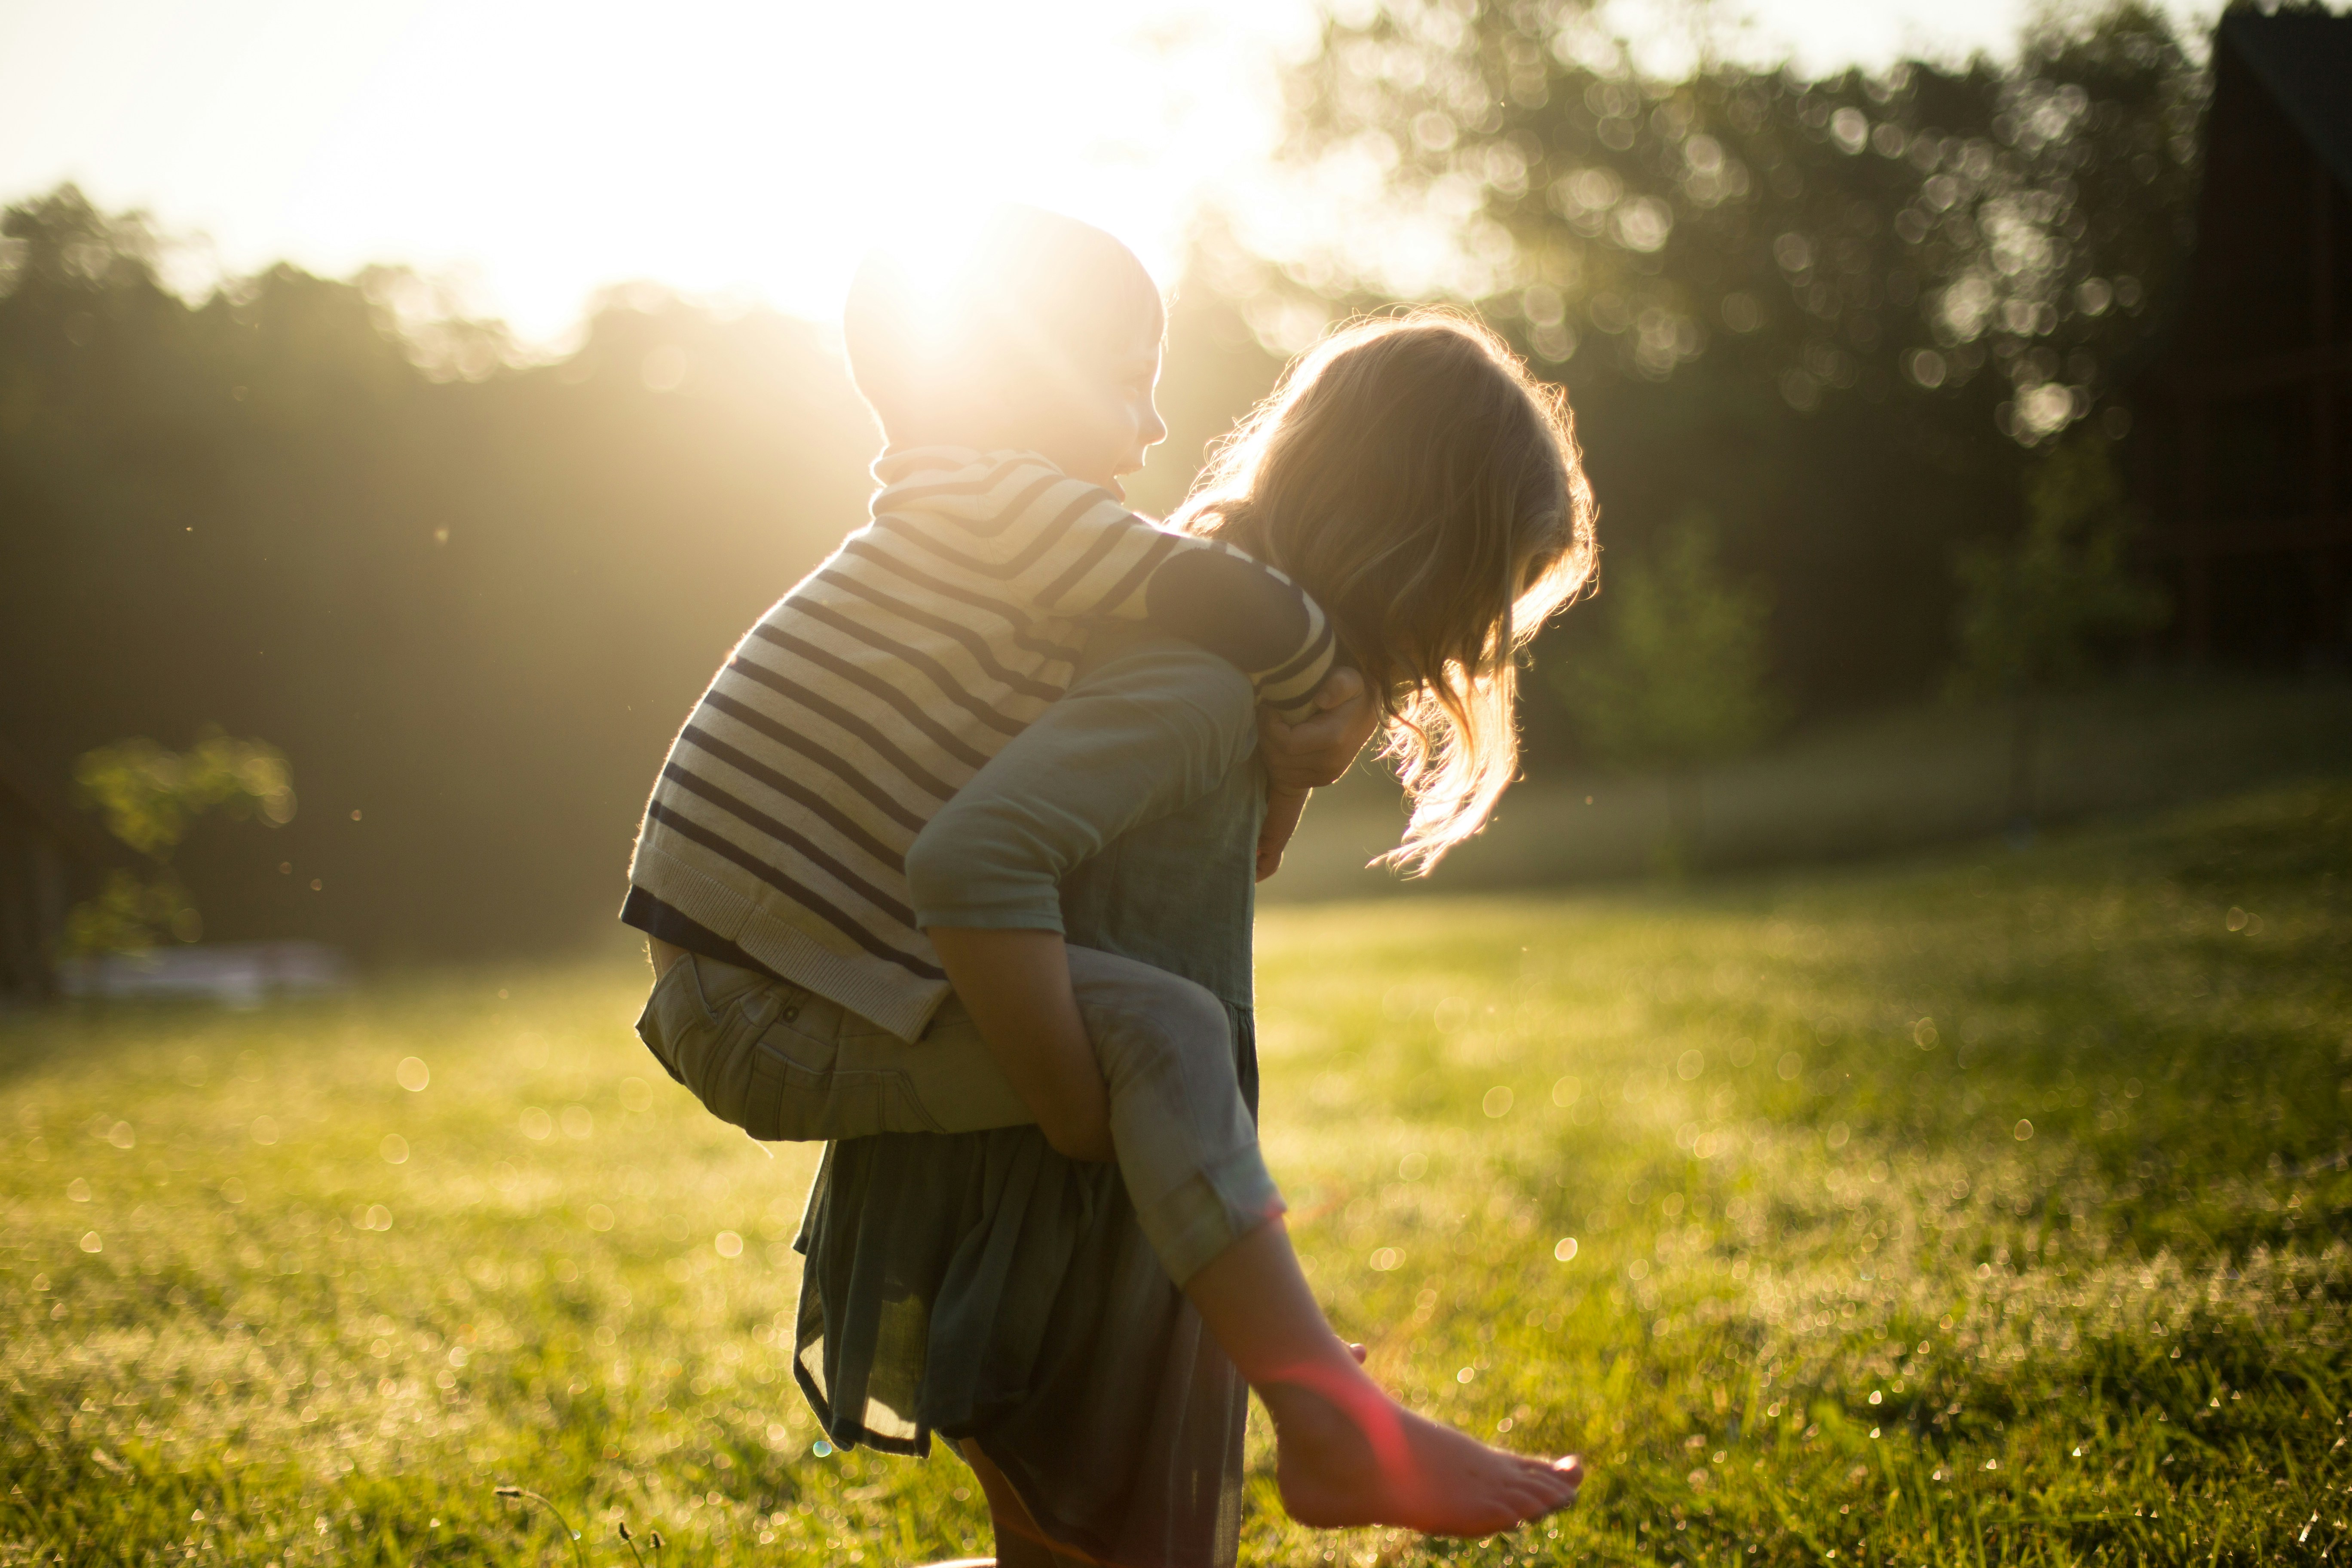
1301	758
1016	985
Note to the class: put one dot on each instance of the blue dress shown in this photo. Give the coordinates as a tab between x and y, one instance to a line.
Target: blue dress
980	1285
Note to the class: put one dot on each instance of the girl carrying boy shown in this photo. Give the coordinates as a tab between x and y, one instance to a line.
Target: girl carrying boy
991	1282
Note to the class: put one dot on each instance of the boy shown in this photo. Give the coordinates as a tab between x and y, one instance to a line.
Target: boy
772	851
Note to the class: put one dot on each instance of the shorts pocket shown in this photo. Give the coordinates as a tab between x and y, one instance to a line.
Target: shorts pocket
653	1027
702	1023
800	1093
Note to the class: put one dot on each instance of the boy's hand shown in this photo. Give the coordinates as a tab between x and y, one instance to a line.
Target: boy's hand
1315	753
1300	758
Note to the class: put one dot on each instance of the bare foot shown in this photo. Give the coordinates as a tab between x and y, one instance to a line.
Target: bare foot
1349	1454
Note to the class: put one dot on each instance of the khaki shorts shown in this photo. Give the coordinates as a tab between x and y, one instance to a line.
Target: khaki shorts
786	1064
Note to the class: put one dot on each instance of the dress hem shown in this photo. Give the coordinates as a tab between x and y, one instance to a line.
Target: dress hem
919	1447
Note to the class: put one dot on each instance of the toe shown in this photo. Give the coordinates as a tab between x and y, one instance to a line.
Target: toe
1528	1502
1542	1478
1558	1489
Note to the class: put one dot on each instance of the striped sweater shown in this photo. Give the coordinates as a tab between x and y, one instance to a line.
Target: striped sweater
848	716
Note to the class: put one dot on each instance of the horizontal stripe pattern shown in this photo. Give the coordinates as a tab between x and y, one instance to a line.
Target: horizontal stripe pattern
874	691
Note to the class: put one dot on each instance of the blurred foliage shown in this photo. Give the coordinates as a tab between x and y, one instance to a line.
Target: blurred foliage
131	912
1681	681
2034	608
1861	787
1863	235
1835	314
471	591
149	796
1680	684
2034	611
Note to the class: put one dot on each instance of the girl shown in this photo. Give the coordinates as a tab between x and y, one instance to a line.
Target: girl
1412	478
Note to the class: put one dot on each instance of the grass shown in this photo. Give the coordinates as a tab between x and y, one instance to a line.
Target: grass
1984	1209
1847	789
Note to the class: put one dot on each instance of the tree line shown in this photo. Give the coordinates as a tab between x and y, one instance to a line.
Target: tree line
1817	332
1836	345
468	599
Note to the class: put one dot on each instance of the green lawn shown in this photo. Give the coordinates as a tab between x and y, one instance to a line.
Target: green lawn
1844	789
1980	1209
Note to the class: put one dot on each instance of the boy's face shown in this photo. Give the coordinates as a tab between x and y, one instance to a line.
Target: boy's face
1106	420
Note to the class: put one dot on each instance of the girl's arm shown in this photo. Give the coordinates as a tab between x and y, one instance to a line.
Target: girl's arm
1016	985
1301	758
1142	735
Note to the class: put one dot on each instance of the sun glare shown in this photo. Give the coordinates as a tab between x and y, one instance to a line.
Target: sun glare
528	153
742	149
535	154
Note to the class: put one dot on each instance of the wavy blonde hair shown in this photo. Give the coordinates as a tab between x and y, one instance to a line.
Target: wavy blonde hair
1428	490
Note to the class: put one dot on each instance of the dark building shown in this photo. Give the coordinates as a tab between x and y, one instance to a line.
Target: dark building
45	856
2246	445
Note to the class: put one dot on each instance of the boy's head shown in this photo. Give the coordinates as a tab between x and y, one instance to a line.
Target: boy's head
1044	336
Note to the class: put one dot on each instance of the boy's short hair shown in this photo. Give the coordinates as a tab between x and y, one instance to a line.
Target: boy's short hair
1038	305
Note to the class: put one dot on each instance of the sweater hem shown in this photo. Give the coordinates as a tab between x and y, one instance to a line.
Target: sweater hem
873	988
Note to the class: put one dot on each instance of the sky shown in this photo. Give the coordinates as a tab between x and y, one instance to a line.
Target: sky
530	153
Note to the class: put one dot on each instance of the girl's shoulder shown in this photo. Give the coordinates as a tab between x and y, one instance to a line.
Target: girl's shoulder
1180	683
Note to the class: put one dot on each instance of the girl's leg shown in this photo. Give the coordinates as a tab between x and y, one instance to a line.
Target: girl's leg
1019	1542
1347	1454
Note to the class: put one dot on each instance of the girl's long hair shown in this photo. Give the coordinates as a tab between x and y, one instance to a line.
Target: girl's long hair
1414	478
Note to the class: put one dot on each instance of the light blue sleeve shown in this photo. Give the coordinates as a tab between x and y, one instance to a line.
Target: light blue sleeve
1143	734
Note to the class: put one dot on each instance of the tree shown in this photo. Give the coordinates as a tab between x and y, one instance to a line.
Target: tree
1680	683
148	796
1908	232
2033	610
472	596
1840	313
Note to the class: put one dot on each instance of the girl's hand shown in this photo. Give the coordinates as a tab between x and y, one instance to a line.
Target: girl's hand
1300	758
1311	754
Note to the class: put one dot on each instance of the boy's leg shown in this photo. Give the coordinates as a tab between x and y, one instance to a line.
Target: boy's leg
1185	1141
1347	1454
702	1023
1186	1144
788	1066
